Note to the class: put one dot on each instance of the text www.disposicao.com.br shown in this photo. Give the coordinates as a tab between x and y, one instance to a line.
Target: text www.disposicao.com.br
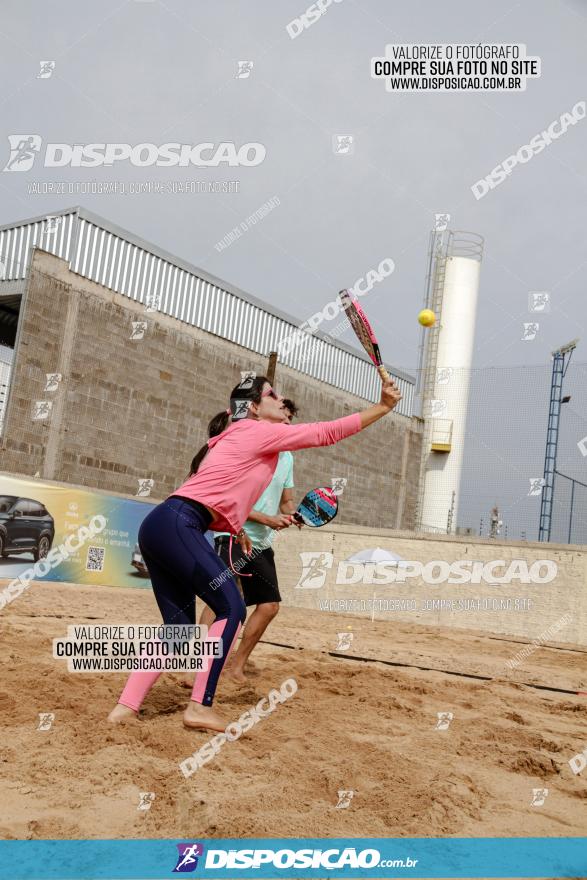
134	664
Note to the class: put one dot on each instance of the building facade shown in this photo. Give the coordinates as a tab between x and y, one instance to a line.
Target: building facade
122	354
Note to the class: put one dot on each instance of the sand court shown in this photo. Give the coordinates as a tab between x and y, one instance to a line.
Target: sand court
413	731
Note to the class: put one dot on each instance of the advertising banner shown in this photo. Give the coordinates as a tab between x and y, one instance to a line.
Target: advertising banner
68	534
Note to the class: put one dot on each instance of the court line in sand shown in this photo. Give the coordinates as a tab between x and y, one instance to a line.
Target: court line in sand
541	687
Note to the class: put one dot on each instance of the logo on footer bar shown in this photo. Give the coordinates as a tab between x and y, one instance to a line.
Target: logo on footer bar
187	860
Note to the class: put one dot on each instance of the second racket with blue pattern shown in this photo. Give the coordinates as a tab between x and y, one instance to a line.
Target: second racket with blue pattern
318	507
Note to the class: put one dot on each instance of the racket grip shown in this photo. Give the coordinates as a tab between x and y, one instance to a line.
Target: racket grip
383	373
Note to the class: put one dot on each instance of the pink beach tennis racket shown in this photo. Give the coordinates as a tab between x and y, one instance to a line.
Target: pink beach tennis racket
364	331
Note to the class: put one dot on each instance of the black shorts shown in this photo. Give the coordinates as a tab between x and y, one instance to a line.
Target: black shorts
262	584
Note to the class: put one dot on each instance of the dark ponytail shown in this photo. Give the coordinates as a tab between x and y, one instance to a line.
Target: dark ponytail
250	389
219	423
197	460
216	425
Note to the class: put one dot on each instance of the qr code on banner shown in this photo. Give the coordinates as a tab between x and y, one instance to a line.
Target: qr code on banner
95	560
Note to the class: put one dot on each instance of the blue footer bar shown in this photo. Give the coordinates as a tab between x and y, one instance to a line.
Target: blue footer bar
538	857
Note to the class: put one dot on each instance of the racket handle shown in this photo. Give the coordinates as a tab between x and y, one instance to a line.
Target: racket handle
383	373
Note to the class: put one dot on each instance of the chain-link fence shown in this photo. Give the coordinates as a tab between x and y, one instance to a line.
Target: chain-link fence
504	449
569	515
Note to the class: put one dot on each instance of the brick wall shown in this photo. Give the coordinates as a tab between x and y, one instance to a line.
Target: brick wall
132	409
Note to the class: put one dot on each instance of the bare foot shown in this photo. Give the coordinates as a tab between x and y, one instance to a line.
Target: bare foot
202	717
122	713
236	674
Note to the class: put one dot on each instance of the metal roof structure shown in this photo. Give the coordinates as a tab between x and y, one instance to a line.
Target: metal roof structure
115	258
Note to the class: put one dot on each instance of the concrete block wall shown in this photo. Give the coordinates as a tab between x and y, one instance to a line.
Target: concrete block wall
129	409
561	602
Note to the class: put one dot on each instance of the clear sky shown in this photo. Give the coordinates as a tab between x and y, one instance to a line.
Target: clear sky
160	72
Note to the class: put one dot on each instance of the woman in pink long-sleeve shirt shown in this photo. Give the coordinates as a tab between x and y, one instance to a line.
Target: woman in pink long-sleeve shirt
228	475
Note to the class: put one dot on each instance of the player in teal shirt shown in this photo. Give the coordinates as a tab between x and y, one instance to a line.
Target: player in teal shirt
261	531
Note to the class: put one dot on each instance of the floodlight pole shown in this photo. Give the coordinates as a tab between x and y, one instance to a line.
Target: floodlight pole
561	358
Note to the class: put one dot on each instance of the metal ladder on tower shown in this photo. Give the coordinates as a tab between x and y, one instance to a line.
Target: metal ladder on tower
437	257
559	369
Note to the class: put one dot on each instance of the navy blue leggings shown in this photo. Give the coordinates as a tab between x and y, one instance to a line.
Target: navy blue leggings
183	565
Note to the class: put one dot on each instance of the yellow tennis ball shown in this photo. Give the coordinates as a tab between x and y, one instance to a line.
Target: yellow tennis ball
427	318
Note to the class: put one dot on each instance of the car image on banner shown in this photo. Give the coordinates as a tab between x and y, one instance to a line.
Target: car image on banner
26	526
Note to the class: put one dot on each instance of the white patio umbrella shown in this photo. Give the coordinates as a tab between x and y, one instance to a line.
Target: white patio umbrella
376	555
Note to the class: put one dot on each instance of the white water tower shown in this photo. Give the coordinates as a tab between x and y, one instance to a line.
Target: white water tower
447	354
